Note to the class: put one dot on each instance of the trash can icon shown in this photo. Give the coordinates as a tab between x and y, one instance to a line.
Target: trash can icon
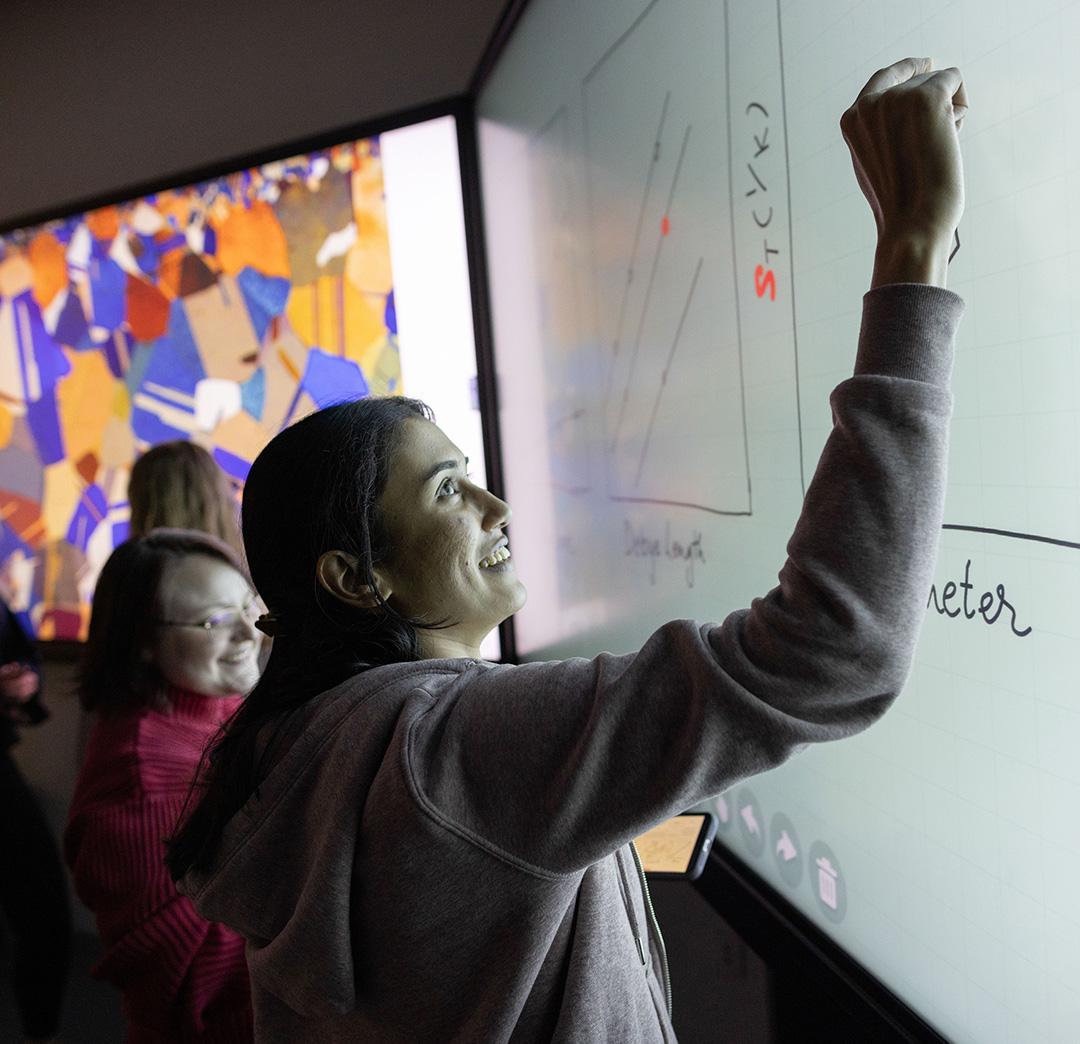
826	877
827	882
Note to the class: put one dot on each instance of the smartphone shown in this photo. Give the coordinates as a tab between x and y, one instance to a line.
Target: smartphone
679	847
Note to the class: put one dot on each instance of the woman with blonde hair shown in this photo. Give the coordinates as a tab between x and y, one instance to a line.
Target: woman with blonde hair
177	485
180	486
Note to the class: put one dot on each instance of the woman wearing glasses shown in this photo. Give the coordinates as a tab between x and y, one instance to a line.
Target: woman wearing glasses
171	649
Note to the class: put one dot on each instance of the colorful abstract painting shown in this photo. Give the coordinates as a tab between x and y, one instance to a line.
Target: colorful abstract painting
219	313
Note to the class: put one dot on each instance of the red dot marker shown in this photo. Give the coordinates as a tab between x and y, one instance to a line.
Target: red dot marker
665	225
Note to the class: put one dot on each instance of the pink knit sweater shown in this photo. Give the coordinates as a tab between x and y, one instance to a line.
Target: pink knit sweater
182	978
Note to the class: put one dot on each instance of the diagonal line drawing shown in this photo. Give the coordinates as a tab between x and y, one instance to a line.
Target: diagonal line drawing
664	374
653	161
648	293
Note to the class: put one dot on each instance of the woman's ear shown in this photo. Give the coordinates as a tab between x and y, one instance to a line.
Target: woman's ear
338	573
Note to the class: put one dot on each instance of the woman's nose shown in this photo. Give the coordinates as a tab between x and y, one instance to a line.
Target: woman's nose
497	513
244	629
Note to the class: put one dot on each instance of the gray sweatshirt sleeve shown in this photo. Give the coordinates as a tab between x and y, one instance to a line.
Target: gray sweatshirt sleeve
555	765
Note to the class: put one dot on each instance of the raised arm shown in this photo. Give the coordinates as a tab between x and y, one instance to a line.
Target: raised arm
558	764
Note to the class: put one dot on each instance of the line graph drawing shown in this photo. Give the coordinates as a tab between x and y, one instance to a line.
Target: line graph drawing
672	409
1012	535
665	229
625	296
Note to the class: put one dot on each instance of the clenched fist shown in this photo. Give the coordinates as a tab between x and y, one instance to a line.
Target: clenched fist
902	131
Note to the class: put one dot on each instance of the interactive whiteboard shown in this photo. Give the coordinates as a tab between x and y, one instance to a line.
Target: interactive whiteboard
678	251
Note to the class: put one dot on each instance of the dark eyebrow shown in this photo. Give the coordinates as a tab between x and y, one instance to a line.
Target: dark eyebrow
445	465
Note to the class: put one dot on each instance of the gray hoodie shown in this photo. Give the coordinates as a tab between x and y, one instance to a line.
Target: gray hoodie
442	852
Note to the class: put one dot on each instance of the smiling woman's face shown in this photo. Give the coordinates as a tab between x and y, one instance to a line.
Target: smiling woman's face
219	661
450	559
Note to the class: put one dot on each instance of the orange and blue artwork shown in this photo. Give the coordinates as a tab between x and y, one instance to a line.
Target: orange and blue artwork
219	312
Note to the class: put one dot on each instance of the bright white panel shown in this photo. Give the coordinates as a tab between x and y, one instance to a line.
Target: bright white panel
431	284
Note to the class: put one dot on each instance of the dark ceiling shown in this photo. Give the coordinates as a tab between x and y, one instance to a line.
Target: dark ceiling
98	97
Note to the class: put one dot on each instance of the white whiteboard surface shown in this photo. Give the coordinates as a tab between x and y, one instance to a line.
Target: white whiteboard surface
672	304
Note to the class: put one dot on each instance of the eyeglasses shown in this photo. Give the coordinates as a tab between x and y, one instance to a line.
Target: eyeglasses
222	620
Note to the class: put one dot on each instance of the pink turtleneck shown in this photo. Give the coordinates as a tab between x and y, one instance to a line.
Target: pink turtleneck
182	978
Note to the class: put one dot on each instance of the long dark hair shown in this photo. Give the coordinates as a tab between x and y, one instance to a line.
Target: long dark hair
116	673
314	488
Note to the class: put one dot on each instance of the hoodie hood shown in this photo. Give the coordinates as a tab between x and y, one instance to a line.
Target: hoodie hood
283	876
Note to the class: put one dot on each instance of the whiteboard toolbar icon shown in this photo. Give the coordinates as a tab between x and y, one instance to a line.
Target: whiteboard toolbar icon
787	850
827	874
723	810
750	820
827	882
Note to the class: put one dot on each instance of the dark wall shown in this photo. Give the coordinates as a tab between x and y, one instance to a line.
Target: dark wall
96	97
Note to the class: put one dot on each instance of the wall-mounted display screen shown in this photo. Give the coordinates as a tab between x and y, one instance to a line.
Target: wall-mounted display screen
678	251
218	312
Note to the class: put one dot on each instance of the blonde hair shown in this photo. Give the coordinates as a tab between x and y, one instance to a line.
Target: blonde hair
178	485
